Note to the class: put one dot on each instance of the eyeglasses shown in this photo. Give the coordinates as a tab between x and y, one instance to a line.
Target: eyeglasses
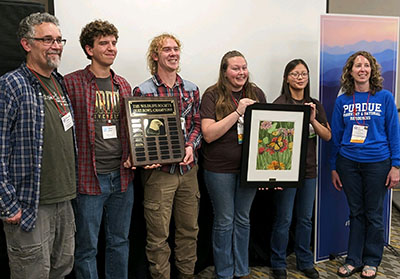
296	74
49	41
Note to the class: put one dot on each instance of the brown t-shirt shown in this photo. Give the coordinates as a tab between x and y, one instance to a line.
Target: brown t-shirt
311	162
108	152
224	154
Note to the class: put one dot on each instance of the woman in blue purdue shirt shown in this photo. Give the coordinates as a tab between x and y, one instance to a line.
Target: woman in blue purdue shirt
365	158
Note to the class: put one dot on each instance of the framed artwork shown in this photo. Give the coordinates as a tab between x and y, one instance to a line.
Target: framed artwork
274	145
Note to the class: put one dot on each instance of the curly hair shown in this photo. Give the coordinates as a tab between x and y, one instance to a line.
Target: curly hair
95	29
285	86
155	47
26	26
375	80
223	105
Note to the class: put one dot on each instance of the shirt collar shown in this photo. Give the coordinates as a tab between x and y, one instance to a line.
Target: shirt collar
157	80
90	76
32	78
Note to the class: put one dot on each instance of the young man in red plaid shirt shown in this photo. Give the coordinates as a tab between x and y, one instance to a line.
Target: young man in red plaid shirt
105	185
172	189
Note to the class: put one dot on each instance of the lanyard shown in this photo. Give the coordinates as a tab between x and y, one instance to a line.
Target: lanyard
108	117
48	91
236	101
355	110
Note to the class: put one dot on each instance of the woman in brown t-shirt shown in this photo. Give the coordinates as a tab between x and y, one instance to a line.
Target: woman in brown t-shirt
296	90
222	109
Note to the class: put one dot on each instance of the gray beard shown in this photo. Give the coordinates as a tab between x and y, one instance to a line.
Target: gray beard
55	63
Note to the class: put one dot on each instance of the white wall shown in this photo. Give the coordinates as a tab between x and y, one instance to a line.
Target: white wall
268	32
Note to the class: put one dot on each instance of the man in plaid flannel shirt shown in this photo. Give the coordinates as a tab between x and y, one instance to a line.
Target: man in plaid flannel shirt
172	189
37	156
104	184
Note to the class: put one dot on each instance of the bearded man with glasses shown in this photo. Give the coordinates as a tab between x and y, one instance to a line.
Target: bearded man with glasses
37	156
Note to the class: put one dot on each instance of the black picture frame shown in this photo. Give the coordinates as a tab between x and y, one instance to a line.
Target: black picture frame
274	145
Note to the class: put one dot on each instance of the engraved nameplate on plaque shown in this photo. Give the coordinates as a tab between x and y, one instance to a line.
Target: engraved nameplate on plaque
155	134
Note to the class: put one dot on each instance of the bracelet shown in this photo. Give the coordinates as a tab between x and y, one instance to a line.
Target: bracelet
240	115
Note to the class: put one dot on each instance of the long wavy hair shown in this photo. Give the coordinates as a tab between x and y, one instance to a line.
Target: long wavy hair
155	48
285	85
375	80
224	106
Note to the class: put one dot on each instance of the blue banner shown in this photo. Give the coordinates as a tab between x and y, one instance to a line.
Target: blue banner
379	36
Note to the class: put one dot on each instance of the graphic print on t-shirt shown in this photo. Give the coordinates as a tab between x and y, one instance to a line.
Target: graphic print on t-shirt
106	102
108	150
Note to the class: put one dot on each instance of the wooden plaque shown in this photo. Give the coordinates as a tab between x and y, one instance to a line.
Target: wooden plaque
155	133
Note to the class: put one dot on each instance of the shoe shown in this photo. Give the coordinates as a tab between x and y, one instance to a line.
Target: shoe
368	268
245	277
348	272
310	272
279	273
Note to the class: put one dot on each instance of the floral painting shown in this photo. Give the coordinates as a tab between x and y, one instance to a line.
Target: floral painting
275	145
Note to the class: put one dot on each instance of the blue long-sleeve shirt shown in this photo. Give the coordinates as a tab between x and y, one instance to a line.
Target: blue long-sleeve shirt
22	113
383	136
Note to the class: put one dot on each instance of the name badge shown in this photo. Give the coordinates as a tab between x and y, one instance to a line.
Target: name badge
359	134
109	132
240	129
183	123
311	132
67	121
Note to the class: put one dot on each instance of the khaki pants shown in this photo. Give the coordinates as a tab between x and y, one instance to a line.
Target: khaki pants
166	194
48	250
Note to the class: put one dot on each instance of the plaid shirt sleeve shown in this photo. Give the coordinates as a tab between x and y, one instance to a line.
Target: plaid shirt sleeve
125	90
79	91
136	92
193	123
21	140
9	204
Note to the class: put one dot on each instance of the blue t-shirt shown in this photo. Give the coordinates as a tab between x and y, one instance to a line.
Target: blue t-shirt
380	114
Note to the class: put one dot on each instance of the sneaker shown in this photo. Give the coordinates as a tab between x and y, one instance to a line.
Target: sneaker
279	273
311	273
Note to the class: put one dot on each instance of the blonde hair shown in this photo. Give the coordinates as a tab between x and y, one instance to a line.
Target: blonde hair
155	47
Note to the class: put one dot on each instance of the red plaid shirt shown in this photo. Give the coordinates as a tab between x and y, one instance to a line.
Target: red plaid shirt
81	87
189	104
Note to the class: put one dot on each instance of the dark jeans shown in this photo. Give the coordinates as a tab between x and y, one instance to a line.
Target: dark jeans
284	202
364	186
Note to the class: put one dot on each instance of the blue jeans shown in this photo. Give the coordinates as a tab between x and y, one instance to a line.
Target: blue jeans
231	227
364	186
116	208
284	202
